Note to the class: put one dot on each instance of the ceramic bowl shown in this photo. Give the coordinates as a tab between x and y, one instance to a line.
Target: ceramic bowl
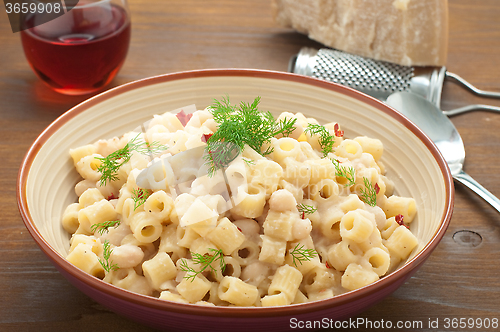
47	178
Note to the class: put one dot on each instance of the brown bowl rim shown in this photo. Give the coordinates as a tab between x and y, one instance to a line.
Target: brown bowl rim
220	311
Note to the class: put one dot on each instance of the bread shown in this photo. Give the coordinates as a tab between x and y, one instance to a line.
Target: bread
406	32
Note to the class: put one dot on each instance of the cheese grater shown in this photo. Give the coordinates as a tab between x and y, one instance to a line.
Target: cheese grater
380	79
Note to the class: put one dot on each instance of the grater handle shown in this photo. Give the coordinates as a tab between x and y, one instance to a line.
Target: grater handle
472	88
470	108
476	107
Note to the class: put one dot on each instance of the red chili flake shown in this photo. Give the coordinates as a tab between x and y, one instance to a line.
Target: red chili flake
303	215
239	229
183	117
206	137
112	196
338	133
140	193
399	219
327	265
377	188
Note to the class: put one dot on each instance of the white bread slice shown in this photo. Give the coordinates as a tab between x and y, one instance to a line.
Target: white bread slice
406	32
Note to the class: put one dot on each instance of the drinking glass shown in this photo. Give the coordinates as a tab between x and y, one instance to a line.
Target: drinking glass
82	50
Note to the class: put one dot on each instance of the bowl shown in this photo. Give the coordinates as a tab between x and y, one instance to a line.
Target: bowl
47	178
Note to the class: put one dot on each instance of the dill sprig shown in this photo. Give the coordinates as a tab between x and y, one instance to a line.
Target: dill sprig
220	154
345	172
306	209
104	226
111	164
239	126
326	140
205	261
139	196
285	127
249	161
106	264
369	193
302	254
144	147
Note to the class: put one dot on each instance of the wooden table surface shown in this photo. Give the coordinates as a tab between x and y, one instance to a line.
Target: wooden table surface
458	281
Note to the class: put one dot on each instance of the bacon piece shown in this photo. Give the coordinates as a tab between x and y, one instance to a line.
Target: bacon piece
184	117
338	133
206	137
399	219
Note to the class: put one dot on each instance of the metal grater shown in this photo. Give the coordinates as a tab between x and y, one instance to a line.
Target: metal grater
380	79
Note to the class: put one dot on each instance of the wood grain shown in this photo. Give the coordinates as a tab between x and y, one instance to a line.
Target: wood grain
457	281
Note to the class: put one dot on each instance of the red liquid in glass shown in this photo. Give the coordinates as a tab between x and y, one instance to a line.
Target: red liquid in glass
83	59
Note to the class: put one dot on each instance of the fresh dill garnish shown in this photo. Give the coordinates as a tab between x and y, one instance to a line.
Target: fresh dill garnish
111	164
249	161
106	264
219	155
345	172
104	226
139	196
205	261
239	126
369	193
302	254
306	209
286	127
326	140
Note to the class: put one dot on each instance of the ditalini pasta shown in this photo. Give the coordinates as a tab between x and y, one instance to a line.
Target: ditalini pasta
305	214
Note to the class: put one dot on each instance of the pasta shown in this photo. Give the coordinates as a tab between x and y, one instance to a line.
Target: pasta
309	216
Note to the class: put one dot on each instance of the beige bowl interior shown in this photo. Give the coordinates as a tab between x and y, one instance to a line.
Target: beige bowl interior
409	163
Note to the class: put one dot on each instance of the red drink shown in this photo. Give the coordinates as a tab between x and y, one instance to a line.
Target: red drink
81	51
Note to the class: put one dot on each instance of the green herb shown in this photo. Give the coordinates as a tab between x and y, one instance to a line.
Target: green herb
326	141
104	226
205	261
345	172
139	196
306	209
111	164
369	193
219	155
302	254
239	126
106	264
249	161
285	127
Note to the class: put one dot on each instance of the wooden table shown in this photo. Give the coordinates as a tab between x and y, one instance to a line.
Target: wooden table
458	281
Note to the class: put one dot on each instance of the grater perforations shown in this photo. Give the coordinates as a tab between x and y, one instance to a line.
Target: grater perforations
361	73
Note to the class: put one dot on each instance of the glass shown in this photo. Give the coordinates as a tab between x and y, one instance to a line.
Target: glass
81	51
